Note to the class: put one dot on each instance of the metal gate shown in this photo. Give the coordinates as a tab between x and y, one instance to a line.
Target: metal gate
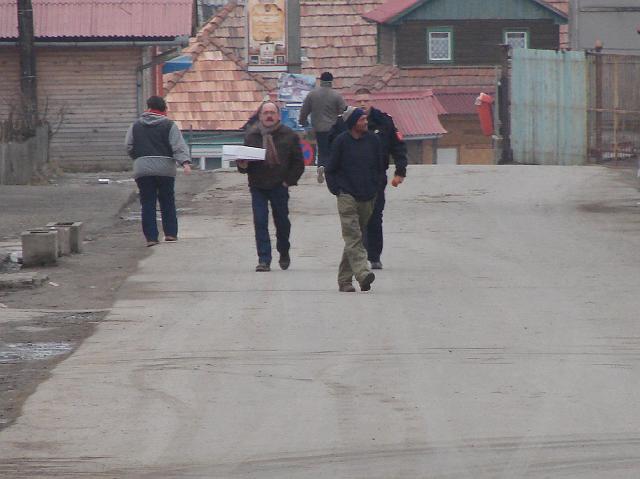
614	108
548	100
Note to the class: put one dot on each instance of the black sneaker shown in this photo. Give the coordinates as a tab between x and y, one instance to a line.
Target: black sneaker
263	268
365	284
376	265
284	261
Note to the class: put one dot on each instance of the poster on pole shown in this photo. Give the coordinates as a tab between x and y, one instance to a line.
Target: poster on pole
293	87
267	25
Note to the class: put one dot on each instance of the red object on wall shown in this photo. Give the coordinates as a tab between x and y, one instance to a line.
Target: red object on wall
484	104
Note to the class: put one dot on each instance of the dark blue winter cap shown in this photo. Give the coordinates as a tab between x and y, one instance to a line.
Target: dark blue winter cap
351	116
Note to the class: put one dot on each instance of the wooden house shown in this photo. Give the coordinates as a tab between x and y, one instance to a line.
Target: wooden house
453	48
89	55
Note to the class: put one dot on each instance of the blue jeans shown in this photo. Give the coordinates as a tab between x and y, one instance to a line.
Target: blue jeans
373	241
279	199
158	189
324	149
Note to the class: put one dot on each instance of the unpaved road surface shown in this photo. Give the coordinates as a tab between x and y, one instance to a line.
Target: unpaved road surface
40	327
500	341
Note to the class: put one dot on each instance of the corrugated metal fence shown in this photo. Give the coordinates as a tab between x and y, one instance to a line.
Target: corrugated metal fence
549	107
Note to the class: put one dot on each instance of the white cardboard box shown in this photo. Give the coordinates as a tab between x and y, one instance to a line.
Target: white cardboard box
240	152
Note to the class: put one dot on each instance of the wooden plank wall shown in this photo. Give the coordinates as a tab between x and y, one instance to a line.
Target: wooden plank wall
10	75
474	42
474	148
385	44
96	88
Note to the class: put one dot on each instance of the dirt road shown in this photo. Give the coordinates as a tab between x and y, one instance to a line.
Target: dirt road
40	327
500	340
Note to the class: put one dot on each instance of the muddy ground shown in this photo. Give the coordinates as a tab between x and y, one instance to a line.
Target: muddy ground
40	327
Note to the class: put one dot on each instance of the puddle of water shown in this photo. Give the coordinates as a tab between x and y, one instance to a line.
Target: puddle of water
15	352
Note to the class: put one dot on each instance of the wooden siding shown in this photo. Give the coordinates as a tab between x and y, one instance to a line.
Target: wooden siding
474	148
474	42
10	75
97	89
385	45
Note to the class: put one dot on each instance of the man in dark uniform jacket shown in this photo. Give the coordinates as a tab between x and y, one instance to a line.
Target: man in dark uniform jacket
393	145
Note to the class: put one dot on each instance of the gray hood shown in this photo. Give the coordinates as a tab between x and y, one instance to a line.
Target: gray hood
152	119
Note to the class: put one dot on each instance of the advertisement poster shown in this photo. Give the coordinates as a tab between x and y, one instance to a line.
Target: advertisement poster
267	24
293	88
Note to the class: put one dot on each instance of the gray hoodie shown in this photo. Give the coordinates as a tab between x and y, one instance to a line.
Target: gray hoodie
157	165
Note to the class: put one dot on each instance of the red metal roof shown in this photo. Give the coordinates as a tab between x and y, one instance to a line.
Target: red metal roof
101	18
395	8
415	113
390	10
458	101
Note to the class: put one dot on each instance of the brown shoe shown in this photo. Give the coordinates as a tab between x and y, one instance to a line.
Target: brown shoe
365	284
346	288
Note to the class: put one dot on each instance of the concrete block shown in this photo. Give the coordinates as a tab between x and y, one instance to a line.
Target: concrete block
22	280
64	239
76	234
39	247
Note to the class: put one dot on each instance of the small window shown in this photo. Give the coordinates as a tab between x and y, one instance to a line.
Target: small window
440	42
516	39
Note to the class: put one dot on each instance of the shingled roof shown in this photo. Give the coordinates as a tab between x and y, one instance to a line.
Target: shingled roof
390	78
337	38
217	92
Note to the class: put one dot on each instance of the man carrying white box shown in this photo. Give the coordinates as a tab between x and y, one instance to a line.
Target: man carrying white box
269	180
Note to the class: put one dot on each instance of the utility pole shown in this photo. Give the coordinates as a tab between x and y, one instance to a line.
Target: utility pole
28	86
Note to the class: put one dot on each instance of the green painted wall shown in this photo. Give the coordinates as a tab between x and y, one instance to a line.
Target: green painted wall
481	9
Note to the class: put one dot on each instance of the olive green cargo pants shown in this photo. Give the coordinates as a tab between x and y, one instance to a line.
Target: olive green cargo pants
354	216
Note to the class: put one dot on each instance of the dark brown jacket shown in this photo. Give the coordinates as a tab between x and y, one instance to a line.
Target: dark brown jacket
291	166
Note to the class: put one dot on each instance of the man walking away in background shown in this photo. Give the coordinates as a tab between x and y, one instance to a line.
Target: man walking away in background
269	182
354	173
156	145
393	145
324	104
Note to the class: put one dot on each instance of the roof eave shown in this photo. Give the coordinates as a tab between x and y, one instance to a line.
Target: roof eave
394	20
433	136
554	10
100	41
